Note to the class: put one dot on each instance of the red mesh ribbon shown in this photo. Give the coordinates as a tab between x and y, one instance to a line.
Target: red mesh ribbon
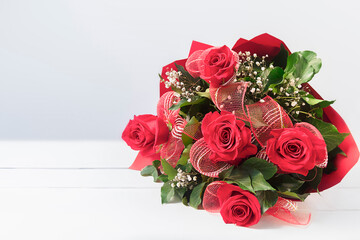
210	200
200	159
284	209
164	103
262	154
230	97
263	116
290	211
193	131
266	115
171	151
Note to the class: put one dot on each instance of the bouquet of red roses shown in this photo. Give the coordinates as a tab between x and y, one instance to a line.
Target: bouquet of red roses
241	132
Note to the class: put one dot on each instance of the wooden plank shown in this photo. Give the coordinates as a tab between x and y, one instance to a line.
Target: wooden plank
65	154
137	214
74	178
90	178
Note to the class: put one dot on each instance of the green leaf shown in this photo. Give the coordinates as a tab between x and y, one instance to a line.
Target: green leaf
185	156
179	192
303	65
156	163
311	100
275	77
318	112
195	196
332	155
243	183
267	199
329	132
286	183
184	73
167	193
163	178
184	103
168	169
150	171
249	179
185	201
188	167
281	58
312	180
226	173
266	168
258	181
178	105
293	195
205	94
195	125
241	178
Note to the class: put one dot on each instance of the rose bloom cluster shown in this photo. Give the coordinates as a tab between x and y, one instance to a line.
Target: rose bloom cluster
226	140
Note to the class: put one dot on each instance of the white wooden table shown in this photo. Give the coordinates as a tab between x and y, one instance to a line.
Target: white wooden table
83	190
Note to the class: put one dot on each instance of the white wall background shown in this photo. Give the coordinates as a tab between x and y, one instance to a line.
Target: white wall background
79	69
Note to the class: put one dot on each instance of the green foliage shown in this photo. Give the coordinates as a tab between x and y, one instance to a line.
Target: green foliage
184	103
267	199
329	132
275	77
199	108
266	168
163	178
196	195
168	169
293	195
226	173
180	192
241	178
248	178
150	170
205	94
280	59
185	201
311	181
303	65
331	160
311	100
286	183
184	73
167	193
156	163
184	156
195	124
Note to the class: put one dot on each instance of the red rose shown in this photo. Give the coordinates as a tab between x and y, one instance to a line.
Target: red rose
145	132
216	65
238	206
295	150
228	138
